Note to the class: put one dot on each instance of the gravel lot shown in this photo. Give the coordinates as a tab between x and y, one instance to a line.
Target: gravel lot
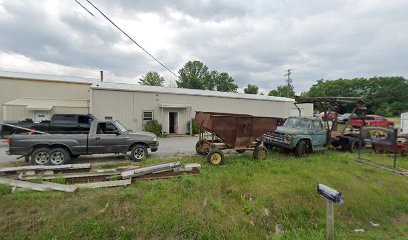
174	146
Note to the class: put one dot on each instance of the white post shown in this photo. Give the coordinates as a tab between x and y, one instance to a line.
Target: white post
191	120
330	220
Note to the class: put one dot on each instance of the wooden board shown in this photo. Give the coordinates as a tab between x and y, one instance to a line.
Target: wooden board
38	186
105	184
45	167
69	176
150	169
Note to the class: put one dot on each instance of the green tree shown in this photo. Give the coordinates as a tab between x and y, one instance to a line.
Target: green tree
152	79
282	91
384	95
251	89
221	82
194	75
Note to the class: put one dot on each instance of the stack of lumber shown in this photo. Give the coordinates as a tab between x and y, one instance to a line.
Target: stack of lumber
76	176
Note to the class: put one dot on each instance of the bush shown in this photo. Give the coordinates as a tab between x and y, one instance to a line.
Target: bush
196	128
153	126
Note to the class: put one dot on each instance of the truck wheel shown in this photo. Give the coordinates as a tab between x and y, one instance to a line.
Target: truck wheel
300	150
59	156
139	152
260	152
202	147
215	157
354	145
40	156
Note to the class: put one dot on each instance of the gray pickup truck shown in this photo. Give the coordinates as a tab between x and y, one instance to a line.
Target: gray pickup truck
103	137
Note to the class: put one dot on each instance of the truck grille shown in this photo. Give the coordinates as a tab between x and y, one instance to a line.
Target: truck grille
273	137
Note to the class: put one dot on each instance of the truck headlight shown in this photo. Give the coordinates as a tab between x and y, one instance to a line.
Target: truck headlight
287	139
154	138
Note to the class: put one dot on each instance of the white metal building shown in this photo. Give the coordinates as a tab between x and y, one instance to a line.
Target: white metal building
134	105
38	96
404	123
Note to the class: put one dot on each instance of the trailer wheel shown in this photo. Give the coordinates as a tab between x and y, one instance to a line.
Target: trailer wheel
354	145
40	156
59	156
202	147
301	148
138	152
240	150
260	152
215	157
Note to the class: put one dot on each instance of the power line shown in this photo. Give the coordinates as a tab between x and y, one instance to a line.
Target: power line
131	39
84	8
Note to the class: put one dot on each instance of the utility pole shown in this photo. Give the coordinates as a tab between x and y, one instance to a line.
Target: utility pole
288	81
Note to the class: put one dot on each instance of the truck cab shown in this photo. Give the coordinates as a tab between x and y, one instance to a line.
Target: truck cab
298	134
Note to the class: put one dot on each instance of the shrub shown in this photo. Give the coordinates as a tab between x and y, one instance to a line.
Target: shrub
153	126
196	128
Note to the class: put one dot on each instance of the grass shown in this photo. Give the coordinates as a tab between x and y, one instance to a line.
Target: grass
244	199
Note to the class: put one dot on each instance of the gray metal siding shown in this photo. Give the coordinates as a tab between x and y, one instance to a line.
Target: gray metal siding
127	107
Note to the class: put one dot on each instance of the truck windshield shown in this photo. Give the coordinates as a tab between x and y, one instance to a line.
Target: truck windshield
298	123
120	126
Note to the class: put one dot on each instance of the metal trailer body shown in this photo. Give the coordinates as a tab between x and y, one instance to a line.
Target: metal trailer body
231	131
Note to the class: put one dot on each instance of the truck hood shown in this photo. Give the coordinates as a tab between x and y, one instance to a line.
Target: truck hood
141	133
291	130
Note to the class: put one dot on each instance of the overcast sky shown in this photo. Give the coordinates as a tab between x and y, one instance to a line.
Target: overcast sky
254	41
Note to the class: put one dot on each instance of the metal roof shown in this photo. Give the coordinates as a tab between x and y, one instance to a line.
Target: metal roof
46	104
46	77
183	91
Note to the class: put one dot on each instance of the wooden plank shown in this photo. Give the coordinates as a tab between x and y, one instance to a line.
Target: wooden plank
149	169
188	167
105	184
46	167
23	184
70	176
60	187
44	186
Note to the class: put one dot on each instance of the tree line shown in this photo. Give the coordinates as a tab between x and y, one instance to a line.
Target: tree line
384	95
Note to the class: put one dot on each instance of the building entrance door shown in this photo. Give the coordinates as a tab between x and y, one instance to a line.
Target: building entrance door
173	122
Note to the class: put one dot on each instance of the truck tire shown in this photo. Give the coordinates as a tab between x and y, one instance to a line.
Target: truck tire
59	156
40	156
260	152
354	145
215	157
138	153
202	147
301	148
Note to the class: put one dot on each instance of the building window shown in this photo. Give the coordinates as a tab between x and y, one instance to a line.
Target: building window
147	116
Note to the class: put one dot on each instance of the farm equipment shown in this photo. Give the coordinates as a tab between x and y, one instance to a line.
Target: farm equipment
231	131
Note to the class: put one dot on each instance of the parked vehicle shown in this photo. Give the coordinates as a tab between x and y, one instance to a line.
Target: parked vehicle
103	137
371	120
345	117
402	146
301	135
328	115
59	123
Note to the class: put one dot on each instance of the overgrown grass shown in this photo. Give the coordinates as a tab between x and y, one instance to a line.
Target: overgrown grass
244	199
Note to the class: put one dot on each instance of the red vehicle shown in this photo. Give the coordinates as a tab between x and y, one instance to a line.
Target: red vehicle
402	146
371	120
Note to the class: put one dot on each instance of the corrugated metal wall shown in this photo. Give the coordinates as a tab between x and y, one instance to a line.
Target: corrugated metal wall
127	107
16	88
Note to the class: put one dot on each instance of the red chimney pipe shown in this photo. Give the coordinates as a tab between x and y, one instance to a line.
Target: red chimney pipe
101	76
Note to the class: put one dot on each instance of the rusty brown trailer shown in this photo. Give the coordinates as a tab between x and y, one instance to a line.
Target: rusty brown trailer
234	131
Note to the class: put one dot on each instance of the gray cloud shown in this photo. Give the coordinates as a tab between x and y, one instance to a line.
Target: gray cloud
254	41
